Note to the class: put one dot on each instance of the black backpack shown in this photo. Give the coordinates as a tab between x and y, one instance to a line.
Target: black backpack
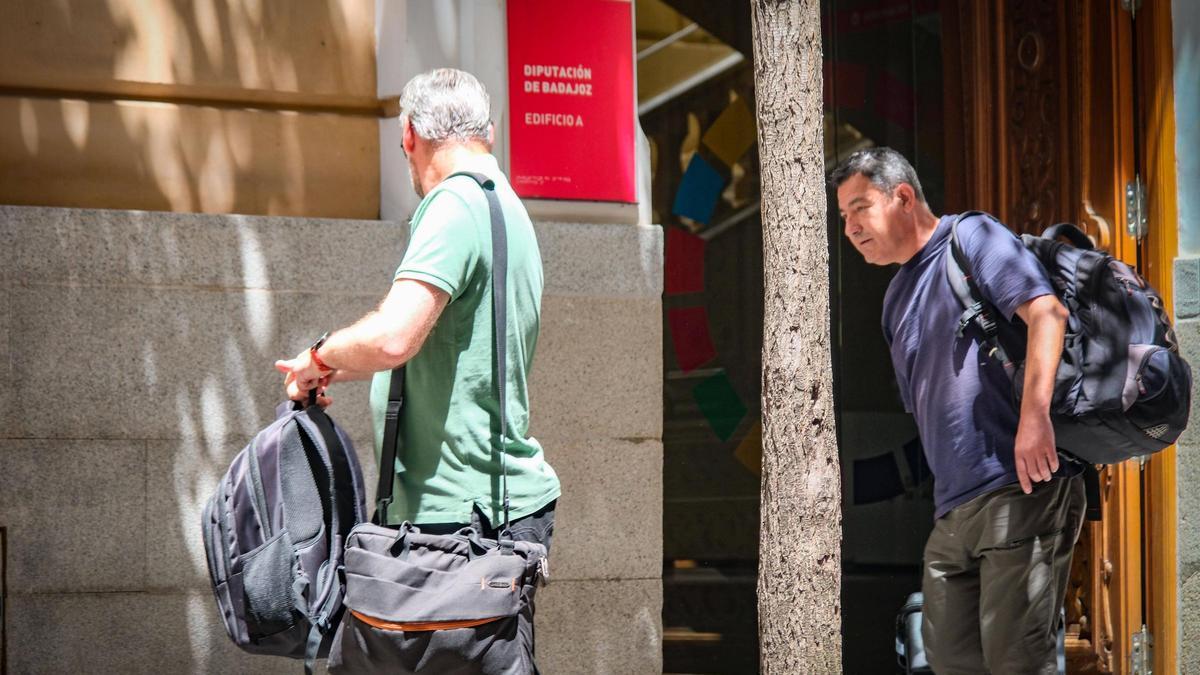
1122	390
275	530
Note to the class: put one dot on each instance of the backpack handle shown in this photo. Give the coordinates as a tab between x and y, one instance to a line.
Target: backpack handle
310	399
1071	233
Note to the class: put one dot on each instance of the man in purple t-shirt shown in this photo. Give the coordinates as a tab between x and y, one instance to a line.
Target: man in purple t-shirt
1007	513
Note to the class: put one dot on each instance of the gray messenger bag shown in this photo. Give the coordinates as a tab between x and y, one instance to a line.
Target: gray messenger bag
428	603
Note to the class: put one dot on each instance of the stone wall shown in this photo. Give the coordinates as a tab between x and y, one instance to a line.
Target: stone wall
1187	327
139	361
1185	20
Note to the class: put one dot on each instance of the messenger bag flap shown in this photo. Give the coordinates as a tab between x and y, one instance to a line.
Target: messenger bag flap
416	578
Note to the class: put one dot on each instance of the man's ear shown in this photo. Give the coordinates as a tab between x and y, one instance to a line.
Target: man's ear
409	140
491	134
907	196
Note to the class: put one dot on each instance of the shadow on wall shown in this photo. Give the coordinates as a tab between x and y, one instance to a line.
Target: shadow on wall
140	344
141	349
190	106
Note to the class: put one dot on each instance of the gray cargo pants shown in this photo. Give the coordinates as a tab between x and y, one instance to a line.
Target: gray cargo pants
995	575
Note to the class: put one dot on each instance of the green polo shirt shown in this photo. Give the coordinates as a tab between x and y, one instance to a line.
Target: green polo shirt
449	426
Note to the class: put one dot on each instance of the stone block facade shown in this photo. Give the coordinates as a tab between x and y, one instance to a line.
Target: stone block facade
139	361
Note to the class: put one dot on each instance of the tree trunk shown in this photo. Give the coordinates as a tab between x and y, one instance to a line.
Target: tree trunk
799	579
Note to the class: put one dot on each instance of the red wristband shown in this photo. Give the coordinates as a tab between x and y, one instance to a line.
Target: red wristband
317	360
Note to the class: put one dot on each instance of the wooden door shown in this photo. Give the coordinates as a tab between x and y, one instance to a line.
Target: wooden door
1060	107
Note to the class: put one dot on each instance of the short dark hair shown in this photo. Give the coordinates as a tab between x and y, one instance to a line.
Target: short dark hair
884	167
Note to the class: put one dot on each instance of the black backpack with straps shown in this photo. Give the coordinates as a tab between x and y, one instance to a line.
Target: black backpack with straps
1122	390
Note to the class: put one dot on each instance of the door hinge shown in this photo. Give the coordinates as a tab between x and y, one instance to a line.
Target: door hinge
1141	653
1135	208
1131	6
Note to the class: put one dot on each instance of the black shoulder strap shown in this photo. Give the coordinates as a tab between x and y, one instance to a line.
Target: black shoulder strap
388	458
391	429
975	309
343	512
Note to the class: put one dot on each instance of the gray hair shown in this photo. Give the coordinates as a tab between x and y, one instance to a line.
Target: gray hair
447	104
884	167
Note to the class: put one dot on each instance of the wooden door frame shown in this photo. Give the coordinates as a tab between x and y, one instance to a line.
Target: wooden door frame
1155	61
1104	151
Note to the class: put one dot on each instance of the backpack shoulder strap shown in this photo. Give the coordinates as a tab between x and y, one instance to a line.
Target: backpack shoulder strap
388	458
341	512
976	310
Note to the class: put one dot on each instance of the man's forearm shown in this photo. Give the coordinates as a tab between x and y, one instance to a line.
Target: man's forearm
390	335
381	340
1034	455
1046	319
367	346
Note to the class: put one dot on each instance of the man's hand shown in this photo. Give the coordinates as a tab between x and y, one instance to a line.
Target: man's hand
302	375
1034	452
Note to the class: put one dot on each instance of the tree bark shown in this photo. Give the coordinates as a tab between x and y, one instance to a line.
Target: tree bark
799	580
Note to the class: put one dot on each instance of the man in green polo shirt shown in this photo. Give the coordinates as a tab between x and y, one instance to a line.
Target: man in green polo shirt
437	320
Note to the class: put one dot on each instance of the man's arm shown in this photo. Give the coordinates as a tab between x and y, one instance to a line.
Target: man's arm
1035	453
381	340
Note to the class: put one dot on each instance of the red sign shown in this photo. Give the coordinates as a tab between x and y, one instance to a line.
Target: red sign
571	99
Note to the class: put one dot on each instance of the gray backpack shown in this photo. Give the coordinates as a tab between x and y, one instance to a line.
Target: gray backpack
275	530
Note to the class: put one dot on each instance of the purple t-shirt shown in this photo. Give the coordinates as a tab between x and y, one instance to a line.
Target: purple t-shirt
962	399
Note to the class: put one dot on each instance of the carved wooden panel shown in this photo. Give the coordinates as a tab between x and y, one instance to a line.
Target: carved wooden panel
1035	112
974	75
1102	121
1083	622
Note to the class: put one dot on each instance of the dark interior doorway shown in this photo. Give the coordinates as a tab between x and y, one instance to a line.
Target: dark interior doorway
883	86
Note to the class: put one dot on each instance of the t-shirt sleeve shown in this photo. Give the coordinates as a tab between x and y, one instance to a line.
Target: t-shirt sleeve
443	247
1008	274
